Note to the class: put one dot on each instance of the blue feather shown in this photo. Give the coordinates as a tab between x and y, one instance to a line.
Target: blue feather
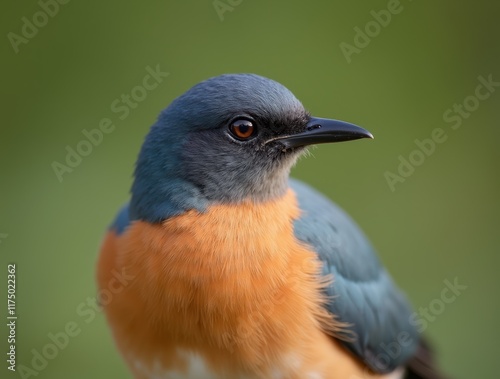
122	220
362	293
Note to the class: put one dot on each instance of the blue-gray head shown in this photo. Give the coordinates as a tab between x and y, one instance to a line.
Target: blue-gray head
228	139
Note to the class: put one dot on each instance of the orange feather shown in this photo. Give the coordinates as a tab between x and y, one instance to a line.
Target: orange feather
232	285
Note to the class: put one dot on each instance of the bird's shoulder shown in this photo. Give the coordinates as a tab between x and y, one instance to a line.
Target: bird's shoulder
121	221
362	292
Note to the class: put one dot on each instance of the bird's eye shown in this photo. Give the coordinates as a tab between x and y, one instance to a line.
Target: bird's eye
242	129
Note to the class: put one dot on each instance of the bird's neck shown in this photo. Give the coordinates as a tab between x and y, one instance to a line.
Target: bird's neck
156	199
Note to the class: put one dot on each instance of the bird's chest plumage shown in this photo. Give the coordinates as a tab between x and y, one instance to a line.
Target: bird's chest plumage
229	293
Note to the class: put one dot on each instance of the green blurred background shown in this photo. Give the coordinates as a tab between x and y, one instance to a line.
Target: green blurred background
441	223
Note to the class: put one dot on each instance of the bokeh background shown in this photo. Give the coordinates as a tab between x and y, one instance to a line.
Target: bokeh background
441	223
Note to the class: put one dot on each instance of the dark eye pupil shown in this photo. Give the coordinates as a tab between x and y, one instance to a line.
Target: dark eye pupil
243	127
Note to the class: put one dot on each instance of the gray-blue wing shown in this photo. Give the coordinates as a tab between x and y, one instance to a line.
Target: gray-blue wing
362	293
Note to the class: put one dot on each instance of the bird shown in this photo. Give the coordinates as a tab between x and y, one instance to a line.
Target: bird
229	268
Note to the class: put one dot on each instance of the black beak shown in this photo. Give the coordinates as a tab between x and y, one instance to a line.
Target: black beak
322	130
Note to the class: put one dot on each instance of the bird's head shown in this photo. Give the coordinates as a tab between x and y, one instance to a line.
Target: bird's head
228	139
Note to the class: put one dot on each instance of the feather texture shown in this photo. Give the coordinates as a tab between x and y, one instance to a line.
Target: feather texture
362	293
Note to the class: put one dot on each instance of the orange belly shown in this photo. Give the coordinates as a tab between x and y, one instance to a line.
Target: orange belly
229	293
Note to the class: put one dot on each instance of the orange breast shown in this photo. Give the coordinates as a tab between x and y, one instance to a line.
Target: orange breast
230	290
